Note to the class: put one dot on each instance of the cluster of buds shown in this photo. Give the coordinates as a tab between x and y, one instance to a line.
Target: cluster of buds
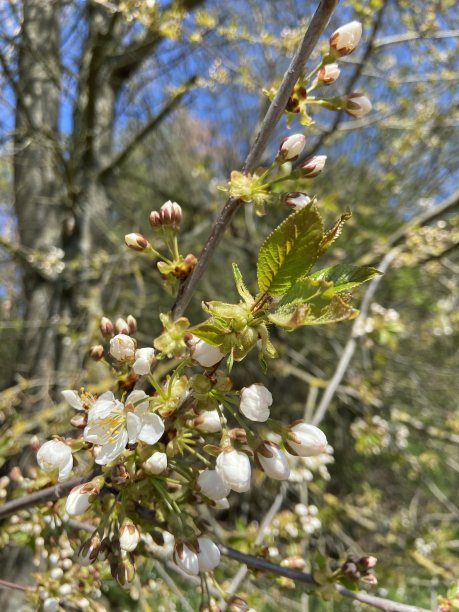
359	568
170	214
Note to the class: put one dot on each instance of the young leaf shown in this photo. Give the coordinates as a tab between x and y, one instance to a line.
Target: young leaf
240	286
290	251
332	234
344	276
305	290
210	332
318	311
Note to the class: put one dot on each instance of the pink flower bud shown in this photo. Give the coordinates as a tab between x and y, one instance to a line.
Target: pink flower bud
132	324
313	166
357	105
273	461
208	555
96	352
155	219
136	242
121	326
171	213
297	200
345	39
305	440
255	402
328	74
106	327
291	147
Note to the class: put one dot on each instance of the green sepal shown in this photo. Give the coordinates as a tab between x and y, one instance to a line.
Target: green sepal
290	251
230	361
345	277
240	286
210	332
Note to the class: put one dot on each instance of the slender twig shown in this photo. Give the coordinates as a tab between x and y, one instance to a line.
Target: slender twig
6	584
316	27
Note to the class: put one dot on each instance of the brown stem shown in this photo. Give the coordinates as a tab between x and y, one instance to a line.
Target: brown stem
6	584
316	27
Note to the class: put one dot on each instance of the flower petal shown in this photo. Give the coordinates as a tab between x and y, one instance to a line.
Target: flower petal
134	425
65	470
152	429
112	450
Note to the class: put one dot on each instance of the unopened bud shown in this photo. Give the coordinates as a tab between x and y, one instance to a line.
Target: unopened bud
171	214
119	474
296	200
273	461
106	327
155	219
132	324
123	571
294	562
239	434
370	579
328	74
34	443
237	604
129	536
136	242
357	105
96	352
122	348
89	550
367	563
290	148
122	326
313	166
345	39
81	497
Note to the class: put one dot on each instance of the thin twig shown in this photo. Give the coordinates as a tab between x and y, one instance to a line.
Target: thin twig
6	584
316	27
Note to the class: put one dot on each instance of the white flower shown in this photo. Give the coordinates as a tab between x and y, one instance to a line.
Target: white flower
313	166
208	555
205	354
234	468
143	360
80	498
291	147
208	421
55	456
329	73
306	440
255	402
212	485
129	536
51	604
346	38
297	200
186	559
275	465
72	398
357	105
122	348
156	464
111	425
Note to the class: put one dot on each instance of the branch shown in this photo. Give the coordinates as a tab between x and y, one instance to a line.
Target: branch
409	36
316	27
151	125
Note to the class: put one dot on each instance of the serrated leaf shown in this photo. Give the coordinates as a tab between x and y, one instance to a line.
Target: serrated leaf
305	290
290	316
344	276
332	234
240	286
290	251
319	311
210	332
220	310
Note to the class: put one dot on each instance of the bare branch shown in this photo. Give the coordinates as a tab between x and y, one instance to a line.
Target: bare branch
316	27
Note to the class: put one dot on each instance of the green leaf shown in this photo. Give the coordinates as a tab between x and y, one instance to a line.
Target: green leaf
290	251
320	310
345	277
210	332
240	286
305	290
332	234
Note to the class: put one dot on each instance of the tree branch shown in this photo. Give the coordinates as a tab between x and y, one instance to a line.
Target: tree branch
316	27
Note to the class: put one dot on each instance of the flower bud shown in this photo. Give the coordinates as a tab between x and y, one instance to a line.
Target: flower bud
155	219
132	324
119	474
234	468
81	497
156	464
171	214
208	555
328	74
136	242
297	200
237	604
313	166
273	461
89	550
122	326
222	504
255	402
290	148
106	327
367	563
212	485
345	39
208	421
122	348
370	579
205	354
144	359
186	559
123	571
357	105
51	604
305	440
129	536
96	352
55	456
